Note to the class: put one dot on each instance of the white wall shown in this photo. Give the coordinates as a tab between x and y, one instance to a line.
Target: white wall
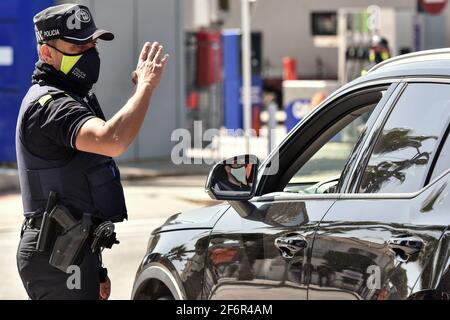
286	28
133	22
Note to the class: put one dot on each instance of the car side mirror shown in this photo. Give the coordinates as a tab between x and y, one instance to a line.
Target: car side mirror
233	179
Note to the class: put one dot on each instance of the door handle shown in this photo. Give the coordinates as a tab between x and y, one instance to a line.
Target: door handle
405	246
290	244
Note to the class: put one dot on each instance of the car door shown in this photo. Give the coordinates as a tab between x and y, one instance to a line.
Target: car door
378	240
265	254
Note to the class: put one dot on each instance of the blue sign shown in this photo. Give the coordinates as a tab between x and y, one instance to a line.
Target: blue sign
17	58
295	111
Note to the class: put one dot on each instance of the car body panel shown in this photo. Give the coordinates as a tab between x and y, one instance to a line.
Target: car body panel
200	218
181	255
242	260
354	236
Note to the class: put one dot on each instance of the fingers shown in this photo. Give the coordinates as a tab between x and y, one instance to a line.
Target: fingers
153	51
144	51
150	71
158	55
105	291
165	59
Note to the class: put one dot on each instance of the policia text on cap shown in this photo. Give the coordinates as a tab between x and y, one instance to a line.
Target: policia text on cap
71	189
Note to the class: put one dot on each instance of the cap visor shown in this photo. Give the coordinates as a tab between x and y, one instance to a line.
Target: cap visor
103	34
88	35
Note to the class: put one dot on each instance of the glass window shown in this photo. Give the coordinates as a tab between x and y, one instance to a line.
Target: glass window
321	173
405	148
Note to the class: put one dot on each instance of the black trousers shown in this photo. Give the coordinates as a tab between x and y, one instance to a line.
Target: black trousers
43	281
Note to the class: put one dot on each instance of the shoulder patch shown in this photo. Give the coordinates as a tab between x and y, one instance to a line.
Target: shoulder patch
44	99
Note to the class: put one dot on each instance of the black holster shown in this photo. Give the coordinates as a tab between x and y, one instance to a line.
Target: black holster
71	234
71	240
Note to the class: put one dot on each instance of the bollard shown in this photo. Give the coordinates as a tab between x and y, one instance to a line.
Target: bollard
271	125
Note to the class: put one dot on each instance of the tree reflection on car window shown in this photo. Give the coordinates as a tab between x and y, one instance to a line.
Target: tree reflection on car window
382	171
403	151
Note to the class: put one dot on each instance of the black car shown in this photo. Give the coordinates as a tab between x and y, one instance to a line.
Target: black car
353	204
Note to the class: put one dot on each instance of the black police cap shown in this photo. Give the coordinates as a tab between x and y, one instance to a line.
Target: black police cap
70	22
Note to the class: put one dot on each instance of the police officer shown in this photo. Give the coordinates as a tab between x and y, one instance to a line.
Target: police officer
65	146
379	51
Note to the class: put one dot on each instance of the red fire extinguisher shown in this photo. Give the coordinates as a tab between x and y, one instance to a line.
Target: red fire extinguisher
208	57
289	69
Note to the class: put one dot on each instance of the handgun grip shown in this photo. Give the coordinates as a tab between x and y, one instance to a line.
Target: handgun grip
64	218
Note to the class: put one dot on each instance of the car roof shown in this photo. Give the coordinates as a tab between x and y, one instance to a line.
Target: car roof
429	63
420	56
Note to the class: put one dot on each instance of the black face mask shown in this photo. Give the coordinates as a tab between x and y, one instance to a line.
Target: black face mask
83	68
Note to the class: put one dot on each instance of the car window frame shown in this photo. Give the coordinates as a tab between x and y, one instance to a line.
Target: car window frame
390	85
366	152
445	140
392	94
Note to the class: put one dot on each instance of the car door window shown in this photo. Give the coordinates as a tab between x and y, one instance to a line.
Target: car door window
322	172
404	149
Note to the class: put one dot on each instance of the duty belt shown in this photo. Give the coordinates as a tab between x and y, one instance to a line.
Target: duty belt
32	223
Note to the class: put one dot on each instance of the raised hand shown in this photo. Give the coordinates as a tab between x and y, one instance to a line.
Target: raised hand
150	67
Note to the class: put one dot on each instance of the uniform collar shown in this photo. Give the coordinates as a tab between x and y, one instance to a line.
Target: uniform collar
45	74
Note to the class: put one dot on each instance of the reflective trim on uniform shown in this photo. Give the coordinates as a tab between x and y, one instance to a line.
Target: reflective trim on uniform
44	100
372	56
68	62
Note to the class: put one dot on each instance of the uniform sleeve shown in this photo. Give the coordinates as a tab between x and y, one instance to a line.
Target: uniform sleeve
61	120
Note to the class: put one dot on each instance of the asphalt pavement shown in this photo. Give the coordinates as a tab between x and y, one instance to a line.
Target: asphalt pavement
150	201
